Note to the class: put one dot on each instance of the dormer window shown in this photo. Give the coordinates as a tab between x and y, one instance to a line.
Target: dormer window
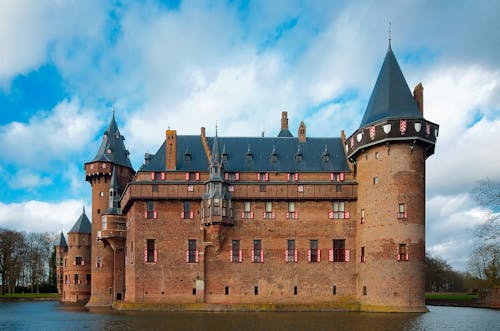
249	155
187	157
298	157
274	157
325	156
224	157
109	151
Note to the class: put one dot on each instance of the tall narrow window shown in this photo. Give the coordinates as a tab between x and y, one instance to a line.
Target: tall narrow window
257	253
247	212
216	206
150	210
268	213
314	253
363	256
186	210
291	252
151	254
87	280
362	218
339	250
402	253
236	253
76	278
291	214
402	211
192	252
338	209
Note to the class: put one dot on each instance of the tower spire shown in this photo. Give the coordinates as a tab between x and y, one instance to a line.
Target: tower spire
389	35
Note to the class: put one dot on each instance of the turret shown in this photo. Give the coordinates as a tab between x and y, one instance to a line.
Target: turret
61	251
388	152
112	157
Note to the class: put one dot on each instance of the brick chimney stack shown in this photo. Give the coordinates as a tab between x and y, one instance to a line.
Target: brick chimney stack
418	95
284	120
171	153
302	132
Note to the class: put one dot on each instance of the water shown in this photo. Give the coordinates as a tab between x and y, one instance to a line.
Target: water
54	316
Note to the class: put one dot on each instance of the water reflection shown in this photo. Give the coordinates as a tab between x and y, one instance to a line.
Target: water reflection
54	316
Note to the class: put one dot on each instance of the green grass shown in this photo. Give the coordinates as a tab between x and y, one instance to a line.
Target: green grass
30	295
450	296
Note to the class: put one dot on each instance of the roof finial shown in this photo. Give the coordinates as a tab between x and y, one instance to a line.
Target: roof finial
389	35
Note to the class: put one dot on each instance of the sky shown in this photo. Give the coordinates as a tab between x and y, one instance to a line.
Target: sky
64	65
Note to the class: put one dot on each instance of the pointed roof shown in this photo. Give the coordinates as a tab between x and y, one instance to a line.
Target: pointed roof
285	133
82	225
215	150
391	98
112	148
113	183
62	241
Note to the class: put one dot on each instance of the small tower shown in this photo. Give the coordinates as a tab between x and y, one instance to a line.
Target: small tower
217	210
111	156
76	287
388	152
61	252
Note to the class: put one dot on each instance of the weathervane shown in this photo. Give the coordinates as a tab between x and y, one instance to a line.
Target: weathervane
389	34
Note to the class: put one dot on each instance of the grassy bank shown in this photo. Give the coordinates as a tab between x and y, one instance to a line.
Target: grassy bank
450	296
28	296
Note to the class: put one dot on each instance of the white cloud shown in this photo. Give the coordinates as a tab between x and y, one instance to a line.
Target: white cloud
26	179
39	216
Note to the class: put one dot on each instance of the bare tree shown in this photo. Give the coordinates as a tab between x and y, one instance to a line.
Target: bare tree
12	250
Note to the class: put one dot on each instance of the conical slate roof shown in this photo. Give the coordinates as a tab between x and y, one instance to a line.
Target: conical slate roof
285	133
112	148
391	98
82	225
62	241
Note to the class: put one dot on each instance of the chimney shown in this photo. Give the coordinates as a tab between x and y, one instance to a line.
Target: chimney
302	132
171	146
284	120
418	95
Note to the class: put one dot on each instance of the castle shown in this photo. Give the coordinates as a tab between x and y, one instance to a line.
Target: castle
251	223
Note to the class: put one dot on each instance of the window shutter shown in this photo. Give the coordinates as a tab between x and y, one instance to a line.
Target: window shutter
266	177
319	255
261	255
398	256
152	176
74	262
163	176
155	255
405	215
83	262
347	214
296	176
187	256
287	215
242	214
288	177
155	214
187	175
226	176
237	176
197	176
273	215
253	255
286	255
145	255
347	255
196	256
295	255
258	176
231	255
330	214
406	257
240	256
330	255
251	214
342	176
309	255
263	214
191	214
331	176
182	214
146	214
296	216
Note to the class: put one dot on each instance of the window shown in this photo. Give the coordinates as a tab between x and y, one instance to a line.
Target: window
263	177
157	176
402	253
268	213
363	256
262	187
232	176
338	188
314	254
364	290
150	253
99	262
76	279
362	218
65	279
402	211
192	253
192	176
291	213
377	155
247	213
187	157
339	252
236	253
334	290
293	177
78	261
256	290
338	210
87	279
150	212
295	290
224	157
186	210
375	180
291	252
257	252
226	290
156	188
337	176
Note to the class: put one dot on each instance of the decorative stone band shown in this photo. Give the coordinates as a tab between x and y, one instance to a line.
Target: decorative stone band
411	129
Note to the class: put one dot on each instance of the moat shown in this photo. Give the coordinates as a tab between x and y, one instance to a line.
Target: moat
54	316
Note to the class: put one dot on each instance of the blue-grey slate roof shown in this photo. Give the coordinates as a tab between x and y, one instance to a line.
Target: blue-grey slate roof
62	240
261	149
285	133
82	225
112	148
391	98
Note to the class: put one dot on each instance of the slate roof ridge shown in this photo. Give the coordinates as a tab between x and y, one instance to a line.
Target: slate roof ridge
391	97
82	225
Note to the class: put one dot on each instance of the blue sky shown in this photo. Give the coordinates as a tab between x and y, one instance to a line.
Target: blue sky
187	64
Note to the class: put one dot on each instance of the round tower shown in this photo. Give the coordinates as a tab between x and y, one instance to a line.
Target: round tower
111	156
388	152
61	251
